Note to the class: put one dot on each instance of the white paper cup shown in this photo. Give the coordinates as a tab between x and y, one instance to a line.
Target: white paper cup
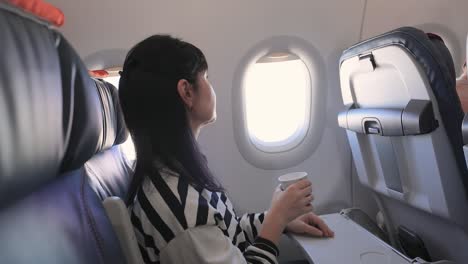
290	178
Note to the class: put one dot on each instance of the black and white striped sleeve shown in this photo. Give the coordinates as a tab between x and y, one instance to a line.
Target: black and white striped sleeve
251	224
207	244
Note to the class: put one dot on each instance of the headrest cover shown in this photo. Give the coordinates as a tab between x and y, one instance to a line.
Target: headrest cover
42	9
435	60
31	133
114	131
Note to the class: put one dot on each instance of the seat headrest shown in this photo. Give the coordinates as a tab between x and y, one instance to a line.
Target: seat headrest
97	120
114	130
31	105
429	52
51	111
83	126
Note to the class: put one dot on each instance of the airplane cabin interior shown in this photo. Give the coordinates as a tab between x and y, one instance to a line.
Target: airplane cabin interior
356	107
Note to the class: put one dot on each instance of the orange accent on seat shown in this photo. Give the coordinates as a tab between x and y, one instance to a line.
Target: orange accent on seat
42	9
99	73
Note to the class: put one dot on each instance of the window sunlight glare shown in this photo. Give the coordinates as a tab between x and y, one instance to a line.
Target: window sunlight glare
275	100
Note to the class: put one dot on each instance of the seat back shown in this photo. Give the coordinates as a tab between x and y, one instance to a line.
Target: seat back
52	123
109	172
403	121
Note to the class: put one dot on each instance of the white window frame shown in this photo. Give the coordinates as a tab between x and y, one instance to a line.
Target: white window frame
285	157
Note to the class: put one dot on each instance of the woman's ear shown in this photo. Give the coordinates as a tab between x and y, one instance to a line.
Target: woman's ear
186	92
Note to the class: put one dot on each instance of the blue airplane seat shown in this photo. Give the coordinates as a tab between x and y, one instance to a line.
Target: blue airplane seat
54	119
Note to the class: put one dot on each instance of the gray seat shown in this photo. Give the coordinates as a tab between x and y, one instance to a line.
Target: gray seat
54	119
403	120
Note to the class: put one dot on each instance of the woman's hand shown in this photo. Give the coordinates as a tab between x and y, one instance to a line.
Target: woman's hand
286	206
310	224
292	202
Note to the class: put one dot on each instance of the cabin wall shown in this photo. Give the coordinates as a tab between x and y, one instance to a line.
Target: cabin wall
225	31
103	31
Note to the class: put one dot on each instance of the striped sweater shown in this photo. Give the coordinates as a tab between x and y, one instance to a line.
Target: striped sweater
177	223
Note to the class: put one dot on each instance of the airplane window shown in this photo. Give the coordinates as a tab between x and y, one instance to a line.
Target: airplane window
279	95
127	147
277	102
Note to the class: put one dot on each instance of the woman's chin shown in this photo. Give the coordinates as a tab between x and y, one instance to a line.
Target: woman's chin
213	118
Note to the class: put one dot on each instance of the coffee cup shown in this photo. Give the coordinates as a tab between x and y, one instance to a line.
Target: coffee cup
290	178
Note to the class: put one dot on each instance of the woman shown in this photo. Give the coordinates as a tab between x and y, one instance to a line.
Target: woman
180	212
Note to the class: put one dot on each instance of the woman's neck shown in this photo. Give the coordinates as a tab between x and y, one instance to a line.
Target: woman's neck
195	129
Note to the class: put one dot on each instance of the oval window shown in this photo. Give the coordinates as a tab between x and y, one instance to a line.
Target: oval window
277	101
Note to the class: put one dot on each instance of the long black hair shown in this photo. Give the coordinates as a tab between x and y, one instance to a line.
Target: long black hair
155	114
